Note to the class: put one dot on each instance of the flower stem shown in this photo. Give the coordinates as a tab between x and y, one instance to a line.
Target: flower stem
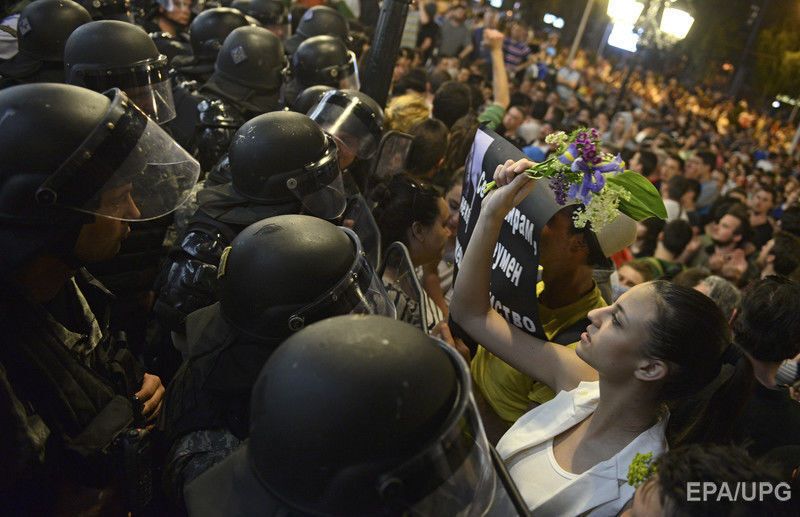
536	172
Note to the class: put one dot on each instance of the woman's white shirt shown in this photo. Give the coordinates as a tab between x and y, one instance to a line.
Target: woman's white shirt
602	490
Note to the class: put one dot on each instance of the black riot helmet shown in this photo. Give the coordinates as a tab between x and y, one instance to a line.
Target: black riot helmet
318	21
209	29
68	154
284	157
359	415
113	54
271	14
309	98
325	60
42	32
249	69
353	118
272	281
109	9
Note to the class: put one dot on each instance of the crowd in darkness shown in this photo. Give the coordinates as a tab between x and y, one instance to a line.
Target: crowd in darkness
300	203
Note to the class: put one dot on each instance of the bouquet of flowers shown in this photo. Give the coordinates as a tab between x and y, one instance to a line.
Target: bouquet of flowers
580	172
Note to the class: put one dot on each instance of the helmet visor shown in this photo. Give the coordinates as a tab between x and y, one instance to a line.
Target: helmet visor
360	291
455	474
352	123
146	83
128	168
320	187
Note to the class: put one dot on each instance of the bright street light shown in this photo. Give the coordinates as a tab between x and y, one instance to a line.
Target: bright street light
676	23
624	12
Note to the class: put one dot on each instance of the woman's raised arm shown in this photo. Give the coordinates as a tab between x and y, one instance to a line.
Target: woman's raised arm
555	365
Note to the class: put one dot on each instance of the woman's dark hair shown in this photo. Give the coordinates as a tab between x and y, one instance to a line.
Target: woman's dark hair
690	334
654	226
428	146
399	203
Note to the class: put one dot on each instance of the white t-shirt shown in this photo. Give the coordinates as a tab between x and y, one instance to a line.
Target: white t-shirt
539	463
674	210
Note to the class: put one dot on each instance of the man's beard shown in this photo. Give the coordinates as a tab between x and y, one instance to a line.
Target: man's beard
722	244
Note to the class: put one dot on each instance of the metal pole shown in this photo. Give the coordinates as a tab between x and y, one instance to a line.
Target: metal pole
385	47
581	28
741	70
795	140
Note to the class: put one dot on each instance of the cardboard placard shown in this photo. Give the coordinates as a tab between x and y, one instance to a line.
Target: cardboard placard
515	260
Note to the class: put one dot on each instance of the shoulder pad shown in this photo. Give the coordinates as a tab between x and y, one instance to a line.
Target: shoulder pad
218	113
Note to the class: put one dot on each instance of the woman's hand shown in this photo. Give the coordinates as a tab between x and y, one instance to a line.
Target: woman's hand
513	187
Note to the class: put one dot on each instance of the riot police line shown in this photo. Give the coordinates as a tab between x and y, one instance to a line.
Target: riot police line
291	388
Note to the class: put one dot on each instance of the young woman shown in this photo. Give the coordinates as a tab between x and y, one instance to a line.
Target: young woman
414	213
657	344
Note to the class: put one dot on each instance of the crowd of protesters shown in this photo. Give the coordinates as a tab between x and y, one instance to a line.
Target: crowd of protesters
676	378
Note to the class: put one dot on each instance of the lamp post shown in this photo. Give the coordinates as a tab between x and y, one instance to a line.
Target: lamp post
658	23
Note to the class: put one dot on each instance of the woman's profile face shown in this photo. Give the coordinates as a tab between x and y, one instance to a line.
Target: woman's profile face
614	341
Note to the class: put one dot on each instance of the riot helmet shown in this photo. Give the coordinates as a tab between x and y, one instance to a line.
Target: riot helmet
109	9
353	118
209	29
271	281
67	154
42	32
360	415
249	69
325	60
113	54
271	14
284	157
318	21
309	98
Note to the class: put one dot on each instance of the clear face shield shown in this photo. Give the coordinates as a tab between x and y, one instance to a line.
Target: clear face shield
347	74
360	291
128	168
146	83
455	474
319	186
350	122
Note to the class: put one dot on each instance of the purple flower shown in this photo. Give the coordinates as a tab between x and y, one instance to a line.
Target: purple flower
559	185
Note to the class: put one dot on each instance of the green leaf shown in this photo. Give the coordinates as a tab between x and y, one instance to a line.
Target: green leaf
645	201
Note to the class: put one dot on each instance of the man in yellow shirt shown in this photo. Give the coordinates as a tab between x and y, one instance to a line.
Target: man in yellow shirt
566	294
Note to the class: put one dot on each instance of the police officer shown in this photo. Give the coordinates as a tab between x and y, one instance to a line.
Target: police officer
246	81
273	281
76	167
355	121
309	98
109	9
106	54
207	32
281	163
113	54
318	21
321	60
271	14
42	32
358	415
